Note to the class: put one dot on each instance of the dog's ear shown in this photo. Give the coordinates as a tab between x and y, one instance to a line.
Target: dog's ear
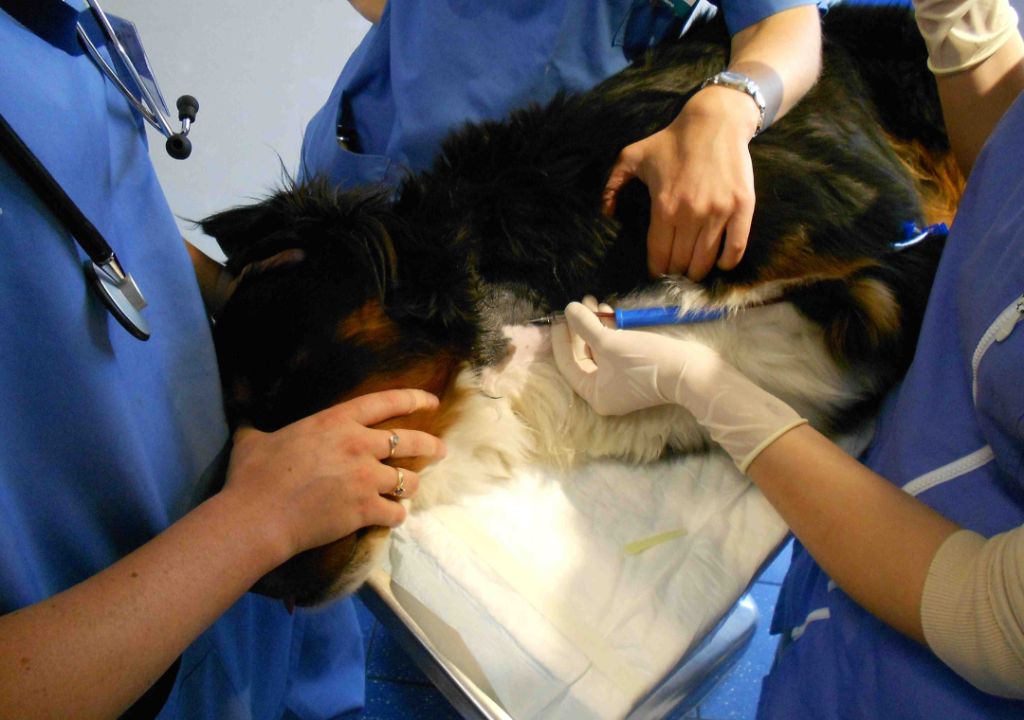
241	230
306	216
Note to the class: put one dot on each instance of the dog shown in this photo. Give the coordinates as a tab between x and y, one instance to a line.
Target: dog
418	287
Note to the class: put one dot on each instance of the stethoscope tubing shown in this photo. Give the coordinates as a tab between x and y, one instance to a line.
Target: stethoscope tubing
157	120
152	109
115	287
33	172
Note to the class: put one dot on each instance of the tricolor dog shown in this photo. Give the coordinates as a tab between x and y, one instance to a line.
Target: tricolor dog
416	287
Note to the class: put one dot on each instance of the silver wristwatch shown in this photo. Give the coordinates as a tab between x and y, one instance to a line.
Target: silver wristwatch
739	81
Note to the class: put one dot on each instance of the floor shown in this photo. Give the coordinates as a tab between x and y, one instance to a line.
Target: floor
397	690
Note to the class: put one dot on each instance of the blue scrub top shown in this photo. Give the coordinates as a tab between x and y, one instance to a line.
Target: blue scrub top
103	438
426	68
952	435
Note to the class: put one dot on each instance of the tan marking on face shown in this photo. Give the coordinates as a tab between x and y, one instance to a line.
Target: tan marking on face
436	376
341	566
368	326
349	564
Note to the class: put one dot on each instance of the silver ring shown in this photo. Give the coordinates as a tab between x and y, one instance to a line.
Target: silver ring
400	486
392	444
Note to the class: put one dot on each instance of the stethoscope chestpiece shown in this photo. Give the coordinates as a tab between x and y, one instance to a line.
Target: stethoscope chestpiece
115	286
120	294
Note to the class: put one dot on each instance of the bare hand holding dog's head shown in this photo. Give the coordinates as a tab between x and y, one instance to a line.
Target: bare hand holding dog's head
322	478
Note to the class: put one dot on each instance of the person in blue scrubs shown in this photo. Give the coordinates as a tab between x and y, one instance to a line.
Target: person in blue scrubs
117	575
905	596
425	68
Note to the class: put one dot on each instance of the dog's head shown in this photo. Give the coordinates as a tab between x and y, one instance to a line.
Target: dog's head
335	297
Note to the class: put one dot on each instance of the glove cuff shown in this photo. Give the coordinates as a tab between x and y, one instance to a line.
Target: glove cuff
960	34
744	462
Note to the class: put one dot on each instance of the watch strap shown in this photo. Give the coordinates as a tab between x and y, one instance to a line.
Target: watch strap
745	84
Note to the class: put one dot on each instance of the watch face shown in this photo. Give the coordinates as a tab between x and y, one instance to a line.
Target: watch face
739	81
733	78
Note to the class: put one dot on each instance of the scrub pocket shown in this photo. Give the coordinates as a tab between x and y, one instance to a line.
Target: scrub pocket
348	165
324	157
348	169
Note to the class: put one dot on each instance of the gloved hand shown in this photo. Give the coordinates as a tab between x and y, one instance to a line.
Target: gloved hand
620	371
962	33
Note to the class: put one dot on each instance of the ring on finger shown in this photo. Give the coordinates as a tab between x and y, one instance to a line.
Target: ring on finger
392	444
400	485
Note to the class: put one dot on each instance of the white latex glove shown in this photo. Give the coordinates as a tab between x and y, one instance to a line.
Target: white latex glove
620	371
962	33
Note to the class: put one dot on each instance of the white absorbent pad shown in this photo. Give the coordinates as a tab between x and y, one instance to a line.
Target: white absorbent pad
577	594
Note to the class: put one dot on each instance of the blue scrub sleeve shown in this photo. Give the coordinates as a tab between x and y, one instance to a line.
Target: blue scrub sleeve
741	15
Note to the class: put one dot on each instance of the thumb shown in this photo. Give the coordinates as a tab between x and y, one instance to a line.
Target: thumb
583	324
577	369
622	172
572	356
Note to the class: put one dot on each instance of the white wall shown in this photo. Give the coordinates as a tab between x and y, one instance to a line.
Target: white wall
259	70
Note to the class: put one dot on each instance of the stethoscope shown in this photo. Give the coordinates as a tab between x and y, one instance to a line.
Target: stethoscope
151	106
115	286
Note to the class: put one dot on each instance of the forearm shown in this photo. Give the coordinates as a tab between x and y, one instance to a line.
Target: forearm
875	541
369	9
90	651
889	552
782	54
974	100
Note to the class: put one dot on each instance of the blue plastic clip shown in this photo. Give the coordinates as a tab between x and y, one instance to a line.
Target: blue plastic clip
912	234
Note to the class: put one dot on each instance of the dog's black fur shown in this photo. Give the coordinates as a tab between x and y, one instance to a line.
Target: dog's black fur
413	285
517	203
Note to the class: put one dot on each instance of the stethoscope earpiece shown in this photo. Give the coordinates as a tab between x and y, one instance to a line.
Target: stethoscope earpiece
188	106
178	146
